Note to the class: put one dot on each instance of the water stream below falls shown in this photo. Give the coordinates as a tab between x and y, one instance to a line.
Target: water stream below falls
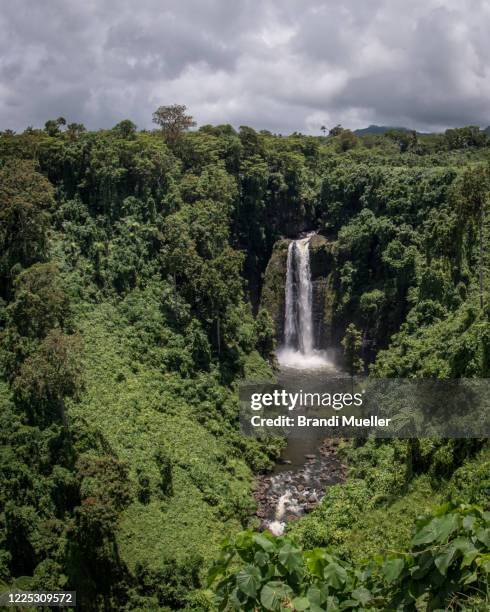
286	495
297	483
306	467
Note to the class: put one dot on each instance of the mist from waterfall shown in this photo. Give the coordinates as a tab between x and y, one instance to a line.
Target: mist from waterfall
298	350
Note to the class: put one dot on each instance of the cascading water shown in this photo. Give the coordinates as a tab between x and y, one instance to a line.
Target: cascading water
305	296
299	347
290	327
288	494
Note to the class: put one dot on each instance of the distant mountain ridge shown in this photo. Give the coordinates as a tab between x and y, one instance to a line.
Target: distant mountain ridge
382	129
379	129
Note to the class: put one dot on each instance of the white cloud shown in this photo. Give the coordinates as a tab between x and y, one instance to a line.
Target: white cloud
283	65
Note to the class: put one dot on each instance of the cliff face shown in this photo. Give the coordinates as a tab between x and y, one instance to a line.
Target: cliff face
273	288
322	266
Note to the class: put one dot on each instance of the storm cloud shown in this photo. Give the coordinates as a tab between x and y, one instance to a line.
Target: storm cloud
282	65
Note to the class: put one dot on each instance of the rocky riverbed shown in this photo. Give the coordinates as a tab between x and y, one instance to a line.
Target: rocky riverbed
288	494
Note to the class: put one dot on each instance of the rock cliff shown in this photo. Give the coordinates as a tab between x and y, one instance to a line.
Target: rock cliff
273	295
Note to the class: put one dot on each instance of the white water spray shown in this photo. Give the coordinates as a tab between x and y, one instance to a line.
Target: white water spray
305	298
298	350
276	527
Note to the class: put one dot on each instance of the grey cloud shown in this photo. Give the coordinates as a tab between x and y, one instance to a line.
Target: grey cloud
282	65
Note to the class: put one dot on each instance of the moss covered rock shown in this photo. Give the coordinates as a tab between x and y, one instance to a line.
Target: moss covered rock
321	257
273	290
322	267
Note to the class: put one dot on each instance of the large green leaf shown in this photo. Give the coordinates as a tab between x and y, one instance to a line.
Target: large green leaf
362	595
24	583
335	575
438	530
392	569
484	564
316	560
469	522
469	557
261	558
332	604
483	536
347	604
315	608
301	603
263	542
237	599
469	578
463	544
243	540
290	557
273	593
424	566
315	596
443	560
244	546
217	569
248	580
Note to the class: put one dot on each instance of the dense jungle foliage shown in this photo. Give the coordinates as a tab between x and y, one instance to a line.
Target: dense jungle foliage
131	267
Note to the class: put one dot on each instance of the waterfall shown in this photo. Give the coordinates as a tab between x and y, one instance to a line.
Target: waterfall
298	322
298	349
305	293
290	317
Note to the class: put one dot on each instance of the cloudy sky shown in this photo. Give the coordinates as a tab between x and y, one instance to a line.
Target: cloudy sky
282	65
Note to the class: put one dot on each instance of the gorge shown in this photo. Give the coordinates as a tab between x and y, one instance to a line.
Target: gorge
297	484
142	282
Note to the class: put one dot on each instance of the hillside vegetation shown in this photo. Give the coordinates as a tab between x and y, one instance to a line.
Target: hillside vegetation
131	272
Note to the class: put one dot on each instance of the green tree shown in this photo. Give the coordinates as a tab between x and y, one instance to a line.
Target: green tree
352	344
264	334
462	138
75	130
105	492
474	194
405	139
52	126
49	375
336	131
40	302
173	121
26	198
125	129
347	140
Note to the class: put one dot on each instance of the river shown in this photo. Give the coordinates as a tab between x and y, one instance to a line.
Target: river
307	465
